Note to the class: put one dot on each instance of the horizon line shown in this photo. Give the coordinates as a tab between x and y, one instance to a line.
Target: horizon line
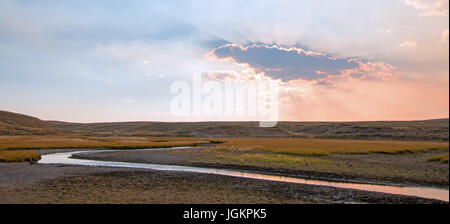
224	121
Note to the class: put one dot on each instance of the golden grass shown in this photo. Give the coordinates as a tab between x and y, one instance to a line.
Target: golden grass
265	158
18	148
318	147
443	158
19	156
57	142
288	146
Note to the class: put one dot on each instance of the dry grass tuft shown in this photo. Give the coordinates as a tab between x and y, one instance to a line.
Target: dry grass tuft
19	156
443	158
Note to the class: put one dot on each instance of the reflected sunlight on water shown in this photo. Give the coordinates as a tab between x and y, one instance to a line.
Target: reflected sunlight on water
423	192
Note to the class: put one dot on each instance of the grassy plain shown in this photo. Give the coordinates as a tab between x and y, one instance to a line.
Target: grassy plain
60	142
321	147
18	148
443	158
279	148
19	156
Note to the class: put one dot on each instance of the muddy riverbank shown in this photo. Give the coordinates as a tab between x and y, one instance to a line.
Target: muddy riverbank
24	183
55	183
396	170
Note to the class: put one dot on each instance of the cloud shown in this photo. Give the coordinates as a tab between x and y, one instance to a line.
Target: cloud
444	36
409	43
295	63
429	7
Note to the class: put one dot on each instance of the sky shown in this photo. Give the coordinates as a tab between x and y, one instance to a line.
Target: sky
348	60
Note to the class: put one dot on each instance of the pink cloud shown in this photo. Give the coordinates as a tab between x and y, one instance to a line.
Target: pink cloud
429	7
295	63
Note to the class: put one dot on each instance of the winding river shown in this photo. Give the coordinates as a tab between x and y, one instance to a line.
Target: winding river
66	158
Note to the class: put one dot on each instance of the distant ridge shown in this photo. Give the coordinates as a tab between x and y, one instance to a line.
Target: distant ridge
15	119
424	130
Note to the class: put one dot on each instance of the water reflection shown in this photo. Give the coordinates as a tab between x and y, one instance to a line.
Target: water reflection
423	192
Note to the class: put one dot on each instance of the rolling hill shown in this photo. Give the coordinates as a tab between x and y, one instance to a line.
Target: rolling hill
428	130
19	124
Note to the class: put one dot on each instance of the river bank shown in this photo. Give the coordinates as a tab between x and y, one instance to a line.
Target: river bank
23	183
54	183
397	170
